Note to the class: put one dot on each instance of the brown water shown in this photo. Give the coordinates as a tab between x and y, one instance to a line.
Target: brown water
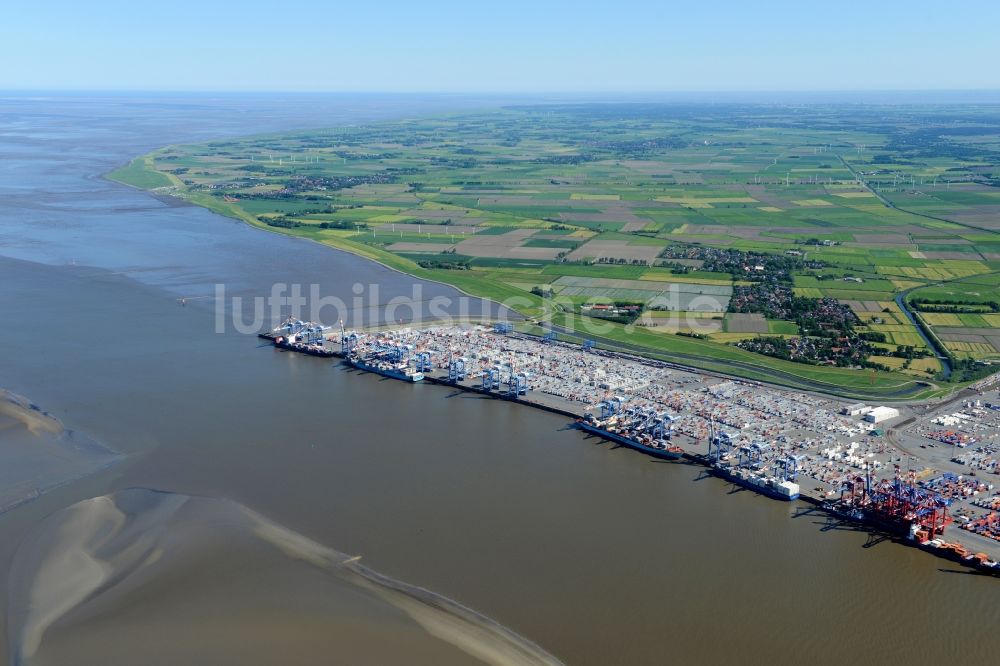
598	555
142	576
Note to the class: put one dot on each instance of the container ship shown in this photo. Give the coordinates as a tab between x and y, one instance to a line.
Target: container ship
300	336
773	486
646	431
657	450
311	348
749	470
958	553
395	370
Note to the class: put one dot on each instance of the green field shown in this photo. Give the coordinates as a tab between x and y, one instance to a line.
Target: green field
141	172
499	203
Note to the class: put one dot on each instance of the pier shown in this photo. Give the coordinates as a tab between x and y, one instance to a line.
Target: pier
778	441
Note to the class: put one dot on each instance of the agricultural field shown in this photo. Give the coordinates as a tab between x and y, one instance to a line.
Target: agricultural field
766	230
963	314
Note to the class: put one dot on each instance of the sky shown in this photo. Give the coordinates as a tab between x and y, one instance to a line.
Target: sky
509	46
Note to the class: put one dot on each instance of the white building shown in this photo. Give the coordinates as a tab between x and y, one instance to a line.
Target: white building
879	414
855	409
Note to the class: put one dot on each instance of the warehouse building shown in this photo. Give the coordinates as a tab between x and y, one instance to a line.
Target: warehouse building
879	414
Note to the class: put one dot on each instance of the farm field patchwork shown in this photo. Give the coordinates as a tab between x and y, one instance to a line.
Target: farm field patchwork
794	232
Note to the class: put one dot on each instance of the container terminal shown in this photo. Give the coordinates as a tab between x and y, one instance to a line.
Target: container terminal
925	474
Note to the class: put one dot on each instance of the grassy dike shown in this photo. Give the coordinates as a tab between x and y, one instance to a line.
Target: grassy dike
142	173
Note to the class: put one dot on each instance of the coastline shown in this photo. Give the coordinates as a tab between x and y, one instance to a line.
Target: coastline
139	546
563	408
38	454
172	197
755	369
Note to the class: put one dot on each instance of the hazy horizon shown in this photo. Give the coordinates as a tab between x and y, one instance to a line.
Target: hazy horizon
721	97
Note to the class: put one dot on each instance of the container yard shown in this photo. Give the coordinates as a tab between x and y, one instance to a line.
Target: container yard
924	474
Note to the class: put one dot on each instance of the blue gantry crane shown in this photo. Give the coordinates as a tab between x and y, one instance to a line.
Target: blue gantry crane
392	353
291	327
491	378
456	370
313	335
720	444
517	384
349	344
786	468
660	425
611	406
751	456
422	361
